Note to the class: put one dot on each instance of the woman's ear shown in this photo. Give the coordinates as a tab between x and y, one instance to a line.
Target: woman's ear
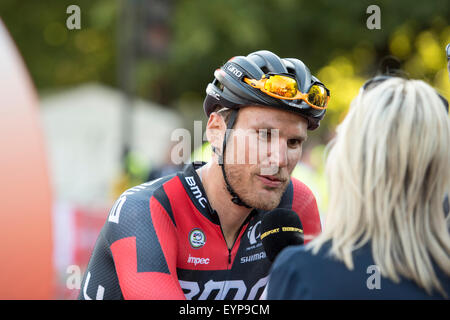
215	131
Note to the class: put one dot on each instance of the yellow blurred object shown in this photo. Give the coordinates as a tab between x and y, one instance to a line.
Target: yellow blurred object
134	174
441	83
312	174
122	183
339	76
400	42
429	50
400	46
202	153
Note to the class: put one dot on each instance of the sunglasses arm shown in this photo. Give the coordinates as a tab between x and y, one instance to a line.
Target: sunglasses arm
258	84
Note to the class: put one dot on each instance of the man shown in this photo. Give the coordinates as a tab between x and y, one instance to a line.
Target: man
196	234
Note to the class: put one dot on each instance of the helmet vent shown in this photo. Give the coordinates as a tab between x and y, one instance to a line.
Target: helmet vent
218	84
265	70
291	71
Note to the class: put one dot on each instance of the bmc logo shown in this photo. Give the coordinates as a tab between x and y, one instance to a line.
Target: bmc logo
234	71
196	191
221	289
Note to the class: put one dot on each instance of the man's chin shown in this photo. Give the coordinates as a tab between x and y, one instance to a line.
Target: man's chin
270	198
265	205
257	194
266	200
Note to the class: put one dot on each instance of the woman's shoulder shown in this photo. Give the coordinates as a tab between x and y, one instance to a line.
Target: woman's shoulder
321	262
302	256
298	273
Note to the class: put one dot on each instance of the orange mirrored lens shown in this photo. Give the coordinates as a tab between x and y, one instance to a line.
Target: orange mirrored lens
282	86
318	96
285	87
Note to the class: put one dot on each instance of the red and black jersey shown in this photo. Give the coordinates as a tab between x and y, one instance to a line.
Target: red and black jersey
162	240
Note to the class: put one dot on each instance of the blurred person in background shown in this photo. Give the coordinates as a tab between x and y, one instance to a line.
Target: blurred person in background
196	234
386	235
166	168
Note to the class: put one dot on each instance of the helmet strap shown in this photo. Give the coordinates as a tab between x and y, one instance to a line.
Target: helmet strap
234	197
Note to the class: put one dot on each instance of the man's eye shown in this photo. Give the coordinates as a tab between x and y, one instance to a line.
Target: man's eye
294	143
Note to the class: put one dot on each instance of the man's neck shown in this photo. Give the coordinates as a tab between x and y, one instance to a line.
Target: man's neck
231	216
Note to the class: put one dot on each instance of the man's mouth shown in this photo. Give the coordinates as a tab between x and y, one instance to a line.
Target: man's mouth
271	181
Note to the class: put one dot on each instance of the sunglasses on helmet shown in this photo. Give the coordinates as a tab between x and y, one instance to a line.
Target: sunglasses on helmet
285	87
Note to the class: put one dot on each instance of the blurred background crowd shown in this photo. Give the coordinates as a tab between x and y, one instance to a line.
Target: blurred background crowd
112	92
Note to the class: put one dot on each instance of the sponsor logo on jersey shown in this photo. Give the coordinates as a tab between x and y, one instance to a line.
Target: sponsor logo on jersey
213	289
196	191
253	257
254	236
253	233
196	260
114	213
197	238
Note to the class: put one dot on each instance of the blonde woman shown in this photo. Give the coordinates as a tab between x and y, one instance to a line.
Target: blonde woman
386	235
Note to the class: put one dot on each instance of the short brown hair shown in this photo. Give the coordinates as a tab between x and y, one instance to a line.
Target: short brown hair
223	112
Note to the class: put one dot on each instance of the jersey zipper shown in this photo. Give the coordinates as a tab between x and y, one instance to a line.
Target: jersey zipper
246	221
226	244
234	242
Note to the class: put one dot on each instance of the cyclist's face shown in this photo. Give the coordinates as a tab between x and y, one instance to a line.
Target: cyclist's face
263	150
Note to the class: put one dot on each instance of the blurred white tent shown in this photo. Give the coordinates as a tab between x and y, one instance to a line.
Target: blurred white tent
82	128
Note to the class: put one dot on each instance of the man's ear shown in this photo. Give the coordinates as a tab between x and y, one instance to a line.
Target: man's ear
215	130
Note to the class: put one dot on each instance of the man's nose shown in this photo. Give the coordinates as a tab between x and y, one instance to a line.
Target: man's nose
278	153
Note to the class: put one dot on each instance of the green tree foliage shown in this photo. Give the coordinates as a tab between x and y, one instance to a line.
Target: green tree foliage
331	37
56	56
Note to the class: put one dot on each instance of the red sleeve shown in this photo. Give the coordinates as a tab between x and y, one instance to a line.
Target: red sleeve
305	205
154	285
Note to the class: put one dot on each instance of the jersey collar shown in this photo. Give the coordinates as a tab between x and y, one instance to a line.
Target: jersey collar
194	188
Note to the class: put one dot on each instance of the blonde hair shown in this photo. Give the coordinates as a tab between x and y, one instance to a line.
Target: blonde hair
388	171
